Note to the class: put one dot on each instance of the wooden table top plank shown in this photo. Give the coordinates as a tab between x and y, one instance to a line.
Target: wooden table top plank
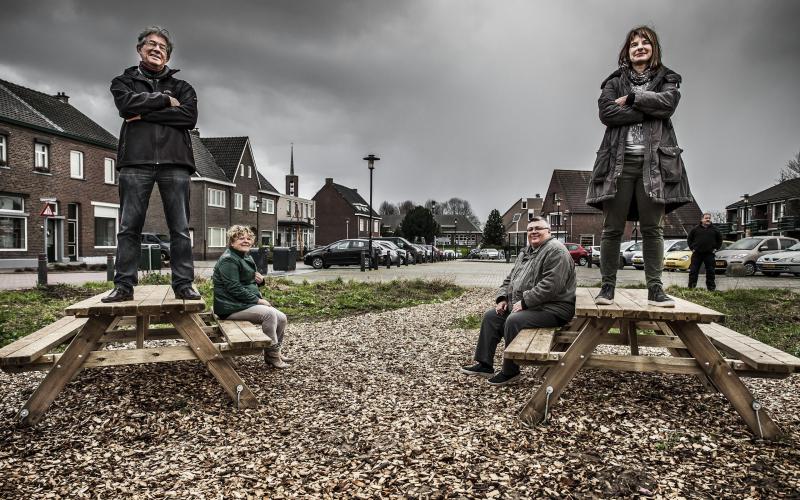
173	304
152	303
82	308
584	303
625	303
169	304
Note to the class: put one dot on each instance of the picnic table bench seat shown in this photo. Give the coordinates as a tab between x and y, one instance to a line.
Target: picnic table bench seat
32	346
243	334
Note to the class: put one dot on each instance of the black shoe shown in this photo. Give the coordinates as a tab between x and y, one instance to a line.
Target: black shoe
477	369
502	379
118	294
657	297
606	295
187	293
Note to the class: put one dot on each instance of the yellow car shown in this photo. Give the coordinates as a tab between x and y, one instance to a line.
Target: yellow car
680	260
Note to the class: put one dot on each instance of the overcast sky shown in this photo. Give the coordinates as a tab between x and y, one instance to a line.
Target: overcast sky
475	99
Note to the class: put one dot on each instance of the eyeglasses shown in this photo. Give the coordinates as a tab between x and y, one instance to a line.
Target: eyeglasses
539	228
153	44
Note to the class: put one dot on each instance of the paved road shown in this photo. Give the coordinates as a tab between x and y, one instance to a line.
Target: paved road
464	273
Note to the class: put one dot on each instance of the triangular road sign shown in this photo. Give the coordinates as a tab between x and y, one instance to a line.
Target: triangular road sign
47	211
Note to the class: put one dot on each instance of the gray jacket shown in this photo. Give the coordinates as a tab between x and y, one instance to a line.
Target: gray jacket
664	176
543	278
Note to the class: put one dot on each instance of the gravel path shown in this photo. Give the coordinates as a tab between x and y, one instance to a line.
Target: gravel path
374	407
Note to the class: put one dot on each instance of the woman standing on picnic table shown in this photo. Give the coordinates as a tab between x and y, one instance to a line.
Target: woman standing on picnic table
237	295
638	173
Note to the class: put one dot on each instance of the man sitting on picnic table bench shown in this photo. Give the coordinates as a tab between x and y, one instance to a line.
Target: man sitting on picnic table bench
540	292
236	293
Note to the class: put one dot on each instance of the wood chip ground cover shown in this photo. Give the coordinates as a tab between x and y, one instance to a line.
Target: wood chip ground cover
374	408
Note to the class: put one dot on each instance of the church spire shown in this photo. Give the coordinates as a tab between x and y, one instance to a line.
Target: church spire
291	165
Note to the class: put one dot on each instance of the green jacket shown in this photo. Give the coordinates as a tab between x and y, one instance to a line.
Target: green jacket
235	287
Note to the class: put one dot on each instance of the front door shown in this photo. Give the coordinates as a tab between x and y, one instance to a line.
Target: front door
51	239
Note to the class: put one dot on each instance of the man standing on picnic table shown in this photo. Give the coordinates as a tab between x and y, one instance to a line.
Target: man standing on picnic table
539	292
158	111
704	240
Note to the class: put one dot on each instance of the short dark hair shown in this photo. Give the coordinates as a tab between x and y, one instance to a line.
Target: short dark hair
644	32
539	219
155	30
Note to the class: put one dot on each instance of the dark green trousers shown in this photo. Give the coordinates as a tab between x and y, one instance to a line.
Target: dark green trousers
630	187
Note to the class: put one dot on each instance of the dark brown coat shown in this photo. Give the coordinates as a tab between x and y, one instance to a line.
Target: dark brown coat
664	176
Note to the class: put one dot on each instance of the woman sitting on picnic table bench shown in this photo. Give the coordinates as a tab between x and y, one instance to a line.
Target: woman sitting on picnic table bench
237	295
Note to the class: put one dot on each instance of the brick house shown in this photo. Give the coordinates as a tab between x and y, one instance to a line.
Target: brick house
226	190
54	156
342	213
571	219
516	218
296	215
454	229
773	211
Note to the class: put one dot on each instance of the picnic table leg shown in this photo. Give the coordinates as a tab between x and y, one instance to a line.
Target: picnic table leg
725	379
560	375
664	329
142	325
627	330
189	328
86	341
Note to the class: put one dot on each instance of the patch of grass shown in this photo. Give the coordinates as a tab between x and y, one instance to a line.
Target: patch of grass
771	316
25	311
334	299
469	322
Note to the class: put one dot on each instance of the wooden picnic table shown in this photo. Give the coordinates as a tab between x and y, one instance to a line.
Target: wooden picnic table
688	331
154	314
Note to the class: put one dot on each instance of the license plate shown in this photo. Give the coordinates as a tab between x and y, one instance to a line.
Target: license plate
722	263
768	266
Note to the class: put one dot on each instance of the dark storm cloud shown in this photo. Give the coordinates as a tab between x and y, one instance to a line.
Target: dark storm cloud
476	99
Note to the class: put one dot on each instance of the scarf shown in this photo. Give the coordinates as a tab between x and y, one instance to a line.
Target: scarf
150	74
637	79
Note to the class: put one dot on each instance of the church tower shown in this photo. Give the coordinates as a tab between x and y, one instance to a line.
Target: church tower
292	189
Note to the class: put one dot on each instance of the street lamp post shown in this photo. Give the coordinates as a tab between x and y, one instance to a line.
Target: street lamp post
347	229
746	198
371	159
455	234
568	218
558	212
433	213
258	225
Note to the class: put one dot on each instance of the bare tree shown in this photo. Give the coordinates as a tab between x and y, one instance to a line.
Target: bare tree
405	207
792	170
434	206
459	206
388	208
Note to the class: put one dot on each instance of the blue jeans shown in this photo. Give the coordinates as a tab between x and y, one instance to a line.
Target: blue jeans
135	186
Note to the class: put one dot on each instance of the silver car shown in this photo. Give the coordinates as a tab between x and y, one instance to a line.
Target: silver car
747	251
787	261
626	251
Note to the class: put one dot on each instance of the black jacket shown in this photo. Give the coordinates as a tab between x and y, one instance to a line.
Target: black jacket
664	177
161	137
704	239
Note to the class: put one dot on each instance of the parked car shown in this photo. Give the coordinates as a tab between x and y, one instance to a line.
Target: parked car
402	255
626	251
387	254
747	251
488	254
338	253
162	240
787	261
595	255
578	253
405	245
681	260
449	254
669	245
474	253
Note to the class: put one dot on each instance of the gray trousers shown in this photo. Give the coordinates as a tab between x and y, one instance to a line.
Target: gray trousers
651	221
506	326
273	322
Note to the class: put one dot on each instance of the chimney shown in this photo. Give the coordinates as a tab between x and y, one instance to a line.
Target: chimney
195	132
328	181
61	96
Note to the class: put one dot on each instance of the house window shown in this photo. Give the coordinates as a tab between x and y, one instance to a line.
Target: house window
105	226
3	149
288	209
253	201
41	156
360	224
777	211
13	227
305	210
530	215
76	164
249	171
376	228
237	201
241	169
555	219
266	238
216	198
291	188
216	237
267	206
110	172
524	204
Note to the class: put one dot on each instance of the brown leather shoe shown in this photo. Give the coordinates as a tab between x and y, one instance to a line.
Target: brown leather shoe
118	294
187	293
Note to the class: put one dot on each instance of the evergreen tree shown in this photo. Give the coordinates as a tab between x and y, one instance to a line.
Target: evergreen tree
419	222
493	231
